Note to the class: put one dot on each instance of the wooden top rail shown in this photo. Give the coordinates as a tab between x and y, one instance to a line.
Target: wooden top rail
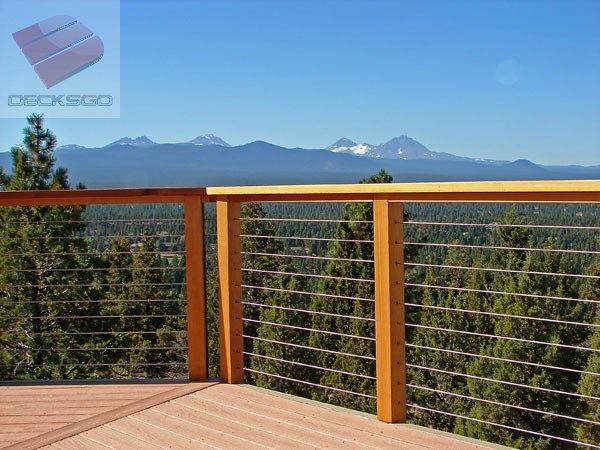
563	191
485	191
100	196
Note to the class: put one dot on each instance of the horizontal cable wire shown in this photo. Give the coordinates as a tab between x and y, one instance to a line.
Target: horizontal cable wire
495	358
490	269
98	349
494	247
304	238
310	366
283	219
508	338
493	314
117	333
306	347
95	365
104	253
106	221
321	313
91	269
133	316
516	294
508	427
30	302
507	383
42	285
281	377
94	236
310	275
507	405
325	258
333	333
504	225
317	294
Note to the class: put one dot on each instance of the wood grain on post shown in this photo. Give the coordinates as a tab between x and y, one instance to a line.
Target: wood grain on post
230	291
195	289
389	310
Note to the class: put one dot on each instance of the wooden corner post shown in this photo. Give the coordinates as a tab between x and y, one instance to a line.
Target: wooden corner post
195	288
229	249
388	227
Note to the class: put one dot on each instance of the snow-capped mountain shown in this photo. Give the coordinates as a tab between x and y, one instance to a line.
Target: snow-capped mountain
209	139
141	141
345	145
401	147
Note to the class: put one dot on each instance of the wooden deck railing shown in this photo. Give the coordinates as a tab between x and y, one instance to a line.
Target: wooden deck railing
388	246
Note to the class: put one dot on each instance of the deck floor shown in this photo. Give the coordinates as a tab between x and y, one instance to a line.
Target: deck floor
203	415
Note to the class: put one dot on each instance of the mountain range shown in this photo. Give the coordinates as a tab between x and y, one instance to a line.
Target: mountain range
209	160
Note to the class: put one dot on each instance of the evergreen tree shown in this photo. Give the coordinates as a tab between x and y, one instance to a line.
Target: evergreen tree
528	351
590	382
42	255
354	314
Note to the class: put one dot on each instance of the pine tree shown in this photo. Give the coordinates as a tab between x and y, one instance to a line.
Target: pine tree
590	382
41	251
357	226
526	351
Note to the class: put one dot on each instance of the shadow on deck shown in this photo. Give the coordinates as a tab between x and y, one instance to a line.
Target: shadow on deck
193	415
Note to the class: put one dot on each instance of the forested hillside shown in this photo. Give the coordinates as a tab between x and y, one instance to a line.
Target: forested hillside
98	292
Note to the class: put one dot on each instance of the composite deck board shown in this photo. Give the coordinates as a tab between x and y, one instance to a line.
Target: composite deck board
27	410
143	431
247	433
272	423
224	416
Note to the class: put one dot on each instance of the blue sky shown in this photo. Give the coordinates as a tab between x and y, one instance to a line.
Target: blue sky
489	79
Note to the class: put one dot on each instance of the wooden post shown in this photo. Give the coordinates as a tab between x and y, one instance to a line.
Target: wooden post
195	289
389	310
230	291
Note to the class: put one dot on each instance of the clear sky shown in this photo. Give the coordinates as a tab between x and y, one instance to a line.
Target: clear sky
493	79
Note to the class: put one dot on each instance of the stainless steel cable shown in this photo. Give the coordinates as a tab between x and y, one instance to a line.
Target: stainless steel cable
104	253
489	269
325	258
310	275
42	285
284	219
503	225
306	347
90	221
94	236
312	330
506	383
113	333
87	364
494	247
98	349
495	358
508	338
29	302
516	294
317	294
310	366
508	427
493	314
294	380
304	238
507	405
128	316
91	269
306	311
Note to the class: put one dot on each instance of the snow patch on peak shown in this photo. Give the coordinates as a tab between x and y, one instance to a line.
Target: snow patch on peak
209	139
